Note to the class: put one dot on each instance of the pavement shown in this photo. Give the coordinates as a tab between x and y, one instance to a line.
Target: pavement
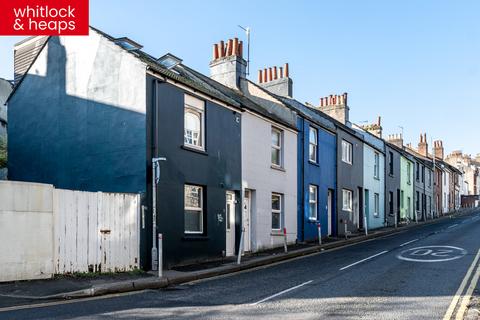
362	278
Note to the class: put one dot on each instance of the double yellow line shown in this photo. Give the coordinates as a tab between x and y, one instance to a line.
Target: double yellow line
458	303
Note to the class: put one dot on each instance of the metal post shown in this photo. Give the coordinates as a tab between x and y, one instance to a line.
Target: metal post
285	240
365	225
240	249
345	225
154	217
319	227
160	255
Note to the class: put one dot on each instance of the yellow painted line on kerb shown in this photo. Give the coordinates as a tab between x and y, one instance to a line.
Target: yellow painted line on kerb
460	290
468	295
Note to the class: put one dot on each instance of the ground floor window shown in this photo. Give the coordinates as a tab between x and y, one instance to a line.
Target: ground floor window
276	211
312	202
347	199
193	209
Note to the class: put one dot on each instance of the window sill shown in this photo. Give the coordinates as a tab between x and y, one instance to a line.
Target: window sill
312	220
274	167
347	162
199	151
376	178
391	175
276	233
195	237
313	163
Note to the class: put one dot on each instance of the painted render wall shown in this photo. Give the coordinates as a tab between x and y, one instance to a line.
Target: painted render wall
350	177
80	114
259	177
374	185
406	188
446	190
321	174
392	184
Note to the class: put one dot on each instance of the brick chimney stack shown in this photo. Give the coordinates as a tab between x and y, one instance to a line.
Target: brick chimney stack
336	107
396	139
228	65
423	145
276	80
438	149
374	128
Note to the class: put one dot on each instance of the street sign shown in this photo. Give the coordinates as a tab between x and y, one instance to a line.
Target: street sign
432	254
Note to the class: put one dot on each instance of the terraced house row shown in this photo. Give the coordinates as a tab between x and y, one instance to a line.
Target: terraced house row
90	113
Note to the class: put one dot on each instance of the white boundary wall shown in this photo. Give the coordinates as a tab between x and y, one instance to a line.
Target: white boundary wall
46	231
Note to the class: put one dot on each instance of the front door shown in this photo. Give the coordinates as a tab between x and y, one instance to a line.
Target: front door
230	219
329	212
367	207
247	213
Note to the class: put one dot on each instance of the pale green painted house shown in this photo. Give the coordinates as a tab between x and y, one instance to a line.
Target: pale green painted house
406	189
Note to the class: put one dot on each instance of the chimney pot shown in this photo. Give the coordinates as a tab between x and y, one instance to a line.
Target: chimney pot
235	46
229	47
270	74
286	70
215	51
275	73
260	79
222	49
265	75
240	49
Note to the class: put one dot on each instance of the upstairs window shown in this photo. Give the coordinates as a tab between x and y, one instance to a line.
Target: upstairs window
194	123
346	152
313	145
390	162
409	173
276	147
376	166
418	171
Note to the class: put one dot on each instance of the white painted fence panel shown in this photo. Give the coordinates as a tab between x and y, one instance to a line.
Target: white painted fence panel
97	231
44	230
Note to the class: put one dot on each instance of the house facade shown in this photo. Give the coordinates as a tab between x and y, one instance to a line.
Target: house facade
269	153
392	184
5	90
350	164
107	108
406	188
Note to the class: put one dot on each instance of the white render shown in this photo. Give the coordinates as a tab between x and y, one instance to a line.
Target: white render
259	177
46	231
374	185
446	190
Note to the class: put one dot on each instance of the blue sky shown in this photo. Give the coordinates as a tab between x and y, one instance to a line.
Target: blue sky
415	63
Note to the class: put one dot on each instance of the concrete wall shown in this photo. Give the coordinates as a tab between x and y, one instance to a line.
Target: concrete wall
80	113
262	179
374	185
45	231
406	188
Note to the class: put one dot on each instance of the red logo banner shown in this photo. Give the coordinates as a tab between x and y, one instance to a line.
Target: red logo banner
43	17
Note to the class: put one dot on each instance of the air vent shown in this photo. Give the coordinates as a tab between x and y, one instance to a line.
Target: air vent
169	61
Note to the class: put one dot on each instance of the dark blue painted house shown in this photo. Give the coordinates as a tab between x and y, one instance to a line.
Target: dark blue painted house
317	162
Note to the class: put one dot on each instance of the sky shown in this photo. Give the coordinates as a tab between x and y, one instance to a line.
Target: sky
414	63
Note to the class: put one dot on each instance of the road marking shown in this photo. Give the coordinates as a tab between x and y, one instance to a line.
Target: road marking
363	260
453	226
468	295
406	243
458	294
432	254
281	292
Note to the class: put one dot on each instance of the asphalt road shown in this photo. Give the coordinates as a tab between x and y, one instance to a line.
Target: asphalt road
384	278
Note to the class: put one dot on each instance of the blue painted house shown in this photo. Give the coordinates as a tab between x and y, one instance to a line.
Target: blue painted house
317	179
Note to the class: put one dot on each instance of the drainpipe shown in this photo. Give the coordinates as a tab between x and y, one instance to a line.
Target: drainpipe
303	178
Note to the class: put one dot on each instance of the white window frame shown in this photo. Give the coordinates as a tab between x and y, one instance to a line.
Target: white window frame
313	145
347	195
347	152
279	211
313	201
376	166
376	204
194	106
199	209
277	147
409	172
